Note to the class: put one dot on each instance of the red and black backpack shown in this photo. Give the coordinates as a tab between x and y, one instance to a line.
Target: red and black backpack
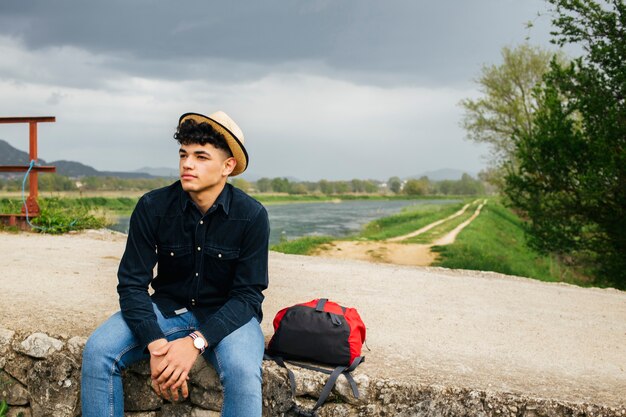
320	331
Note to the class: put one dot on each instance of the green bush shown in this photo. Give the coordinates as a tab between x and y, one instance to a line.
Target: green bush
302	246
55	217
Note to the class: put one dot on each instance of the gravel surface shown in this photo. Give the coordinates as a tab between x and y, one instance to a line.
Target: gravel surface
431	325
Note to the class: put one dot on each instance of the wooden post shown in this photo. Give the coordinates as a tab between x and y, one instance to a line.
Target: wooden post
31	201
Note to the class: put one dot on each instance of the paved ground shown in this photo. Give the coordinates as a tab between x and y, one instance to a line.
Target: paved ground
469	329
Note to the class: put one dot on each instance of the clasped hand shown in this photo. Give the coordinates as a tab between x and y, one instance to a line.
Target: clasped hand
170	363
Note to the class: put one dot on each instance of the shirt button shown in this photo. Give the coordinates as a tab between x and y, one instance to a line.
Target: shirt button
193	302
171	253
196	274
219	255
199	248
201	222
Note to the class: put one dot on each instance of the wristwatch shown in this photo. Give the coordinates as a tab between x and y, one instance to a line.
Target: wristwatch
198	342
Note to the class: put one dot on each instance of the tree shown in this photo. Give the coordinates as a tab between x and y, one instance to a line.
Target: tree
394	184
326	187
280	185
417	187
370	186
56	182
242	184
570	180
264	185
357	186
341	187
507	105
297	188
469	186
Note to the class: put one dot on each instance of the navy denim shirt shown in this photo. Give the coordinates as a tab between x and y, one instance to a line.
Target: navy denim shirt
214	265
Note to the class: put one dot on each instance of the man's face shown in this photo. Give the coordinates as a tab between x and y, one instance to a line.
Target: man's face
203	167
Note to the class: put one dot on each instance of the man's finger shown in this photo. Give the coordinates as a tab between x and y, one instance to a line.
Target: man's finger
179	381
185	389
156	387
161	367
165	394
173	379
165	375
174	394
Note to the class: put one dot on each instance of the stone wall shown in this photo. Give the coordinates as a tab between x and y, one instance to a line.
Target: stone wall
40	376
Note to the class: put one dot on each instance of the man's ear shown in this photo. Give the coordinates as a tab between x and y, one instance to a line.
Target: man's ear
229	166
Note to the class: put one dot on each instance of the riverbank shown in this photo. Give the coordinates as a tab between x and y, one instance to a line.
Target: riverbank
456	329
473	235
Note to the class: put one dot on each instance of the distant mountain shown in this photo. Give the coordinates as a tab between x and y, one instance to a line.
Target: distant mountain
12	156
74	169
443	174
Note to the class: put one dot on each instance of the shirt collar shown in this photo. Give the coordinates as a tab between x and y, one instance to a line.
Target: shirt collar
223	199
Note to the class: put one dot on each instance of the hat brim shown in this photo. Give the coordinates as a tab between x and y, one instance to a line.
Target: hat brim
234	144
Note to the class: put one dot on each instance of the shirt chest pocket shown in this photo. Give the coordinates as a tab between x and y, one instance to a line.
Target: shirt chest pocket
175	263
219	265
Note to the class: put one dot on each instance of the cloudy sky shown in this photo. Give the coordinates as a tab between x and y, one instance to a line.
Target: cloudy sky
334	89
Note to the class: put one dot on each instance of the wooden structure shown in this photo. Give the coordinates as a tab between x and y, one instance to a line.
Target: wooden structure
31	201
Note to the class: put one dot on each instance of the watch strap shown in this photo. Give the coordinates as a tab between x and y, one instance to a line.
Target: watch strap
196	337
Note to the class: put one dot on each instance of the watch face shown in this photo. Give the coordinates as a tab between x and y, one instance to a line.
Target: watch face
198	343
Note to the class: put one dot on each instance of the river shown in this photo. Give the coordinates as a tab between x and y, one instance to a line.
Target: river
290	221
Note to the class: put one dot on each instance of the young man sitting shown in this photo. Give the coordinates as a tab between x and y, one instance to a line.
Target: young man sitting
210	241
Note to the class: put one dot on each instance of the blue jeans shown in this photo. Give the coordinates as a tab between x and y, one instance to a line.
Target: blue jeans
111	348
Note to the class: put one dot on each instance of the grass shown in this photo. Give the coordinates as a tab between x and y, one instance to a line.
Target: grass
134	194
119	205
269	199
59	215
408	220
444	228
495	241
302	246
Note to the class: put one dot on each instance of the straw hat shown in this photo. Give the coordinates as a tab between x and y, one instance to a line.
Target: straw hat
223	124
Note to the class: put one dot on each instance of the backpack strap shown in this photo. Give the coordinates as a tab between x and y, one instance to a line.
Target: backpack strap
328	387
356	362
280	362
320	304
332	379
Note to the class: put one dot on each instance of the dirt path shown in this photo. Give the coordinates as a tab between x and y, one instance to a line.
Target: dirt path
449	238
390	251
384	252
428	226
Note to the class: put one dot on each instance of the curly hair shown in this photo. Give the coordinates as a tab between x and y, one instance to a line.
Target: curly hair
192	132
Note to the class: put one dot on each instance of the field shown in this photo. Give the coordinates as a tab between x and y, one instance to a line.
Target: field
493	241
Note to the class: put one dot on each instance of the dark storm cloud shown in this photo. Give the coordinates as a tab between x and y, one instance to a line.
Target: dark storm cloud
395	42
323	88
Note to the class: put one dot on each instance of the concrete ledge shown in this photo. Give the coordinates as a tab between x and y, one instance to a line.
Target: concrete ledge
40	376
443	342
